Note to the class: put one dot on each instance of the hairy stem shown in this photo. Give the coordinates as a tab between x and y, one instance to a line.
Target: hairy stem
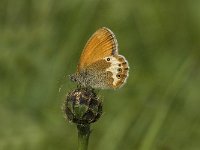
83	136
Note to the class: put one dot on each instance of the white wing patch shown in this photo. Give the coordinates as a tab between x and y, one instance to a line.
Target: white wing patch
113	68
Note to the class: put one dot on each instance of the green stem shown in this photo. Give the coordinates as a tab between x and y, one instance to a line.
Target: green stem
83	136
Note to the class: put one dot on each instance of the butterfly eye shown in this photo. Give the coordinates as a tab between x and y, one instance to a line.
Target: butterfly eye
118	76
108	59
73	78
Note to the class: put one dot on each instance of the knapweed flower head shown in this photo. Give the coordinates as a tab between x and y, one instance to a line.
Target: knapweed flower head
82	106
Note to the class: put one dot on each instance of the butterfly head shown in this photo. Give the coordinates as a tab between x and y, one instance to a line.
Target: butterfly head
73	77
79	78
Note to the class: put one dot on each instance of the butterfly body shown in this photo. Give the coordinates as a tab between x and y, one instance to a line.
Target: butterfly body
100	65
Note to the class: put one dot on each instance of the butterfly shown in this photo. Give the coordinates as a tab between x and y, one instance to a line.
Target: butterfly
100	65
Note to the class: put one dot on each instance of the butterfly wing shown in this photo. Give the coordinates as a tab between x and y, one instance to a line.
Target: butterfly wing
100	45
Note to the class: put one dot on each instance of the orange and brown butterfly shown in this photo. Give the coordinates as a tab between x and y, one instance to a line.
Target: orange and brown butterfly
100	65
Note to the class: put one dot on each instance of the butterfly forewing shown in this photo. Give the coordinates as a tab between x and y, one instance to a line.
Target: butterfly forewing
101	44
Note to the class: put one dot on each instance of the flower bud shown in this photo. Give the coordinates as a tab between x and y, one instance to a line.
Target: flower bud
83	106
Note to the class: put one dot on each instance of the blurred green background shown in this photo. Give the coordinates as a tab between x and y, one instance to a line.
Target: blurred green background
158	108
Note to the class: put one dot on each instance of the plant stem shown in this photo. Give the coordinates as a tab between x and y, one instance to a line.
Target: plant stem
83	136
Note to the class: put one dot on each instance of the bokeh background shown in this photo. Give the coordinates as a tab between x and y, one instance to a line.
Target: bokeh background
158	108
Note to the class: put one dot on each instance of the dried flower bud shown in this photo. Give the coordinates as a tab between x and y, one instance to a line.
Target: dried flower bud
83	106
